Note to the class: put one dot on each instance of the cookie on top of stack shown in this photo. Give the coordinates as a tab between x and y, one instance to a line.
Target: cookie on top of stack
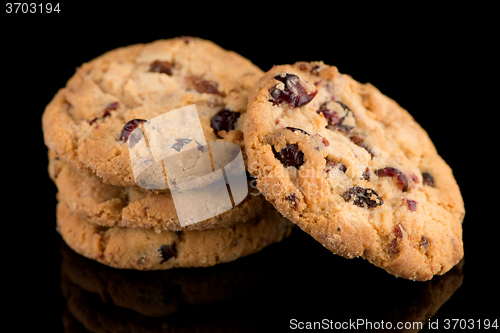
354	170
101	212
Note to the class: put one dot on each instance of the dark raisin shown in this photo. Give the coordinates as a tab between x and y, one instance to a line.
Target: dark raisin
412	204
294	93
224	120
179	143
334	121
293	129
393	172
167	252
129	127
293	200
204	86
330	164
290	155
424	243
360	142
366	174
427	179
161	66
363	197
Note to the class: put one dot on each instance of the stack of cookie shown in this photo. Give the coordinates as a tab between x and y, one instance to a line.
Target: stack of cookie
102	213
338	158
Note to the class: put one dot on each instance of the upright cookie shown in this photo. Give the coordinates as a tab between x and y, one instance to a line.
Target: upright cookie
88	122
108	205
354	170
144	249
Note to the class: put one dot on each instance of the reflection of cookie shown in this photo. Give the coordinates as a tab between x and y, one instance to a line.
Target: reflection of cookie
109	205
353	169
159	293
145	249
88	122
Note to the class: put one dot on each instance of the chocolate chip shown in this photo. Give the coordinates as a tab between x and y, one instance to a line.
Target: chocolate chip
393	172
224	120
167	252
294	92
161	66
363	197
290	155
427	179
129	127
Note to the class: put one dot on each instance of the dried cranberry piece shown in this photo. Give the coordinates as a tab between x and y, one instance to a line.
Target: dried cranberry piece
334	121
204	86
290	155
325	141
129	127
363	197
393	172
360	142
293	129
224	120
427	179
400	231
167	252
412	204
294	93
161	66
106	112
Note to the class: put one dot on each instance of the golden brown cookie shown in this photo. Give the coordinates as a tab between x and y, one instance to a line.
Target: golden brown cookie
144	249
354	170
109	205
88	122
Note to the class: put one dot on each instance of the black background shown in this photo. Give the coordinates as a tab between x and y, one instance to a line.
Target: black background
433	62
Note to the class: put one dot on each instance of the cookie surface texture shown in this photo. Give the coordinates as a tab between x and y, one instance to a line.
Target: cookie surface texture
353	169
87	123
109	205
144	249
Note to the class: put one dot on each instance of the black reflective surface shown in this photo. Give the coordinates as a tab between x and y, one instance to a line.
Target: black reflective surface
431	69
264	292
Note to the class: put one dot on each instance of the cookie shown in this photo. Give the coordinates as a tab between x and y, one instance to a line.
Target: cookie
353	169
144	249
109	205
88	122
